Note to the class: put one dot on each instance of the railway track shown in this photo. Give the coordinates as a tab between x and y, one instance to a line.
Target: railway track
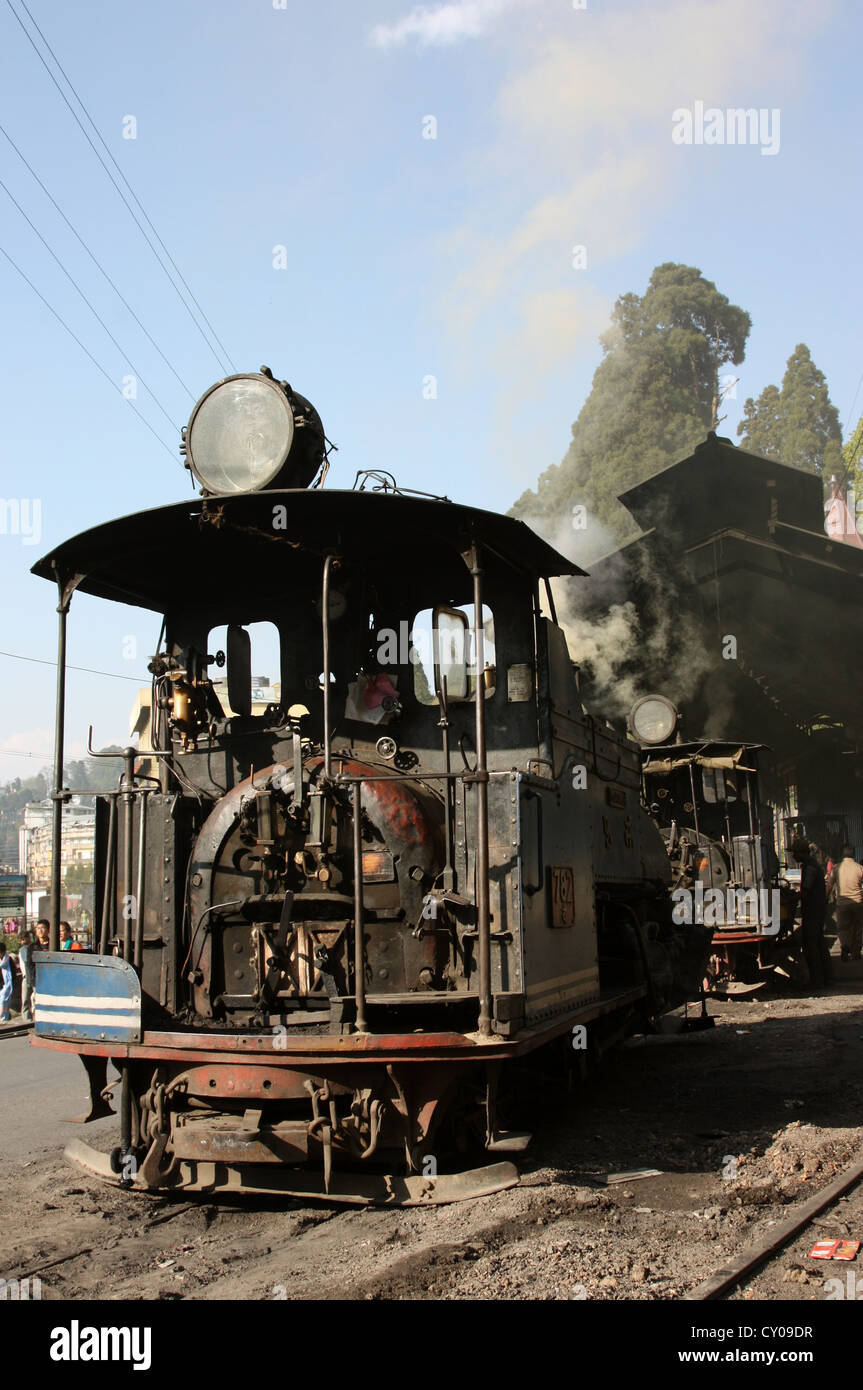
761	1252
555	1236
15	1030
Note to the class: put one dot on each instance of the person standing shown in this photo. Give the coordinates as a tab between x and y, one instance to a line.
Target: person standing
65	937
813	905
6	979
847	879
43	934
25	965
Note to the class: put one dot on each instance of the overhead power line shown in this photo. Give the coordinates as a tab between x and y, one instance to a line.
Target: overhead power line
116	185
43	661
16	753
97	263
854	402
72	334
74	283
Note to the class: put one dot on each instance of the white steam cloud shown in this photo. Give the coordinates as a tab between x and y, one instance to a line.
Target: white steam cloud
622	652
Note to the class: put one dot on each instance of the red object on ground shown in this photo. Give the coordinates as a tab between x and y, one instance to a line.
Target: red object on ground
824	1249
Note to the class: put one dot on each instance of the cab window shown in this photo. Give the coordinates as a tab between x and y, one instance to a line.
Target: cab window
442	648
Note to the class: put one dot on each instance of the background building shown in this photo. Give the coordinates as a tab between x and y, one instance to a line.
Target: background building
35	848
734	603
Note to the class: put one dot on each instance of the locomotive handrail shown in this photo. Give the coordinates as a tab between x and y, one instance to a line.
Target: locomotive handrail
88	791
140	888
325	658
343	779
109	901
359	952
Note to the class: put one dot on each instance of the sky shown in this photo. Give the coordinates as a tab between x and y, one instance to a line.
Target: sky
420	216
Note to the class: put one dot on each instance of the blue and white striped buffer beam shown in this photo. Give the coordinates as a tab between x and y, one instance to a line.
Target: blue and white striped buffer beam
86	998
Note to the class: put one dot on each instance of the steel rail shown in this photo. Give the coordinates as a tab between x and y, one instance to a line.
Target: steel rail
756	1254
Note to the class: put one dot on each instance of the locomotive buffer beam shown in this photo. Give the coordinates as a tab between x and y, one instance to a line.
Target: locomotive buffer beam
274	1179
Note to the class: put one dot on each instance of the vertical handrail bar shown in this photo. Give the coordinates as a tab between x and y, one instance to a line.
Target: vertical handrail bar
359	953
480	777
57	792
107	896
140	887
127	793
325	654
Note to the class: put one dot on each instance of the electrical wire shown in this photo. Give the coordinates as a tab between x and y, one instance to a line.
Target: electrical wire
854	401
16	753
96	262
73	282
43	661
116	185
86	350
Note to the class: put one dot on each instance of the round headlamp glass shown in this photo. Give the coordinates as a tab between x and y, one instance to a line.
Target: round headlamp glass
240	434
653	719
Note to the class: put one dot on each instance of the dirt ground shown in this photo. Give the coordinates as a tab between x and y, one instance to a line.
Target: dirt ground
742	1121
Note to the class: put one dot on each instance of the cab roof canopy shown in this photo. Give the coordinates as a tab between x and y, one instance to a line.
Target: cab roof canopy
255	545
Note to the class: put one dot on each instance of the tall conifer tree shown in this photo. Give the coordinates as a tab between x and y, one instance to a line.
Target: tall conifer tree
652	400
798	425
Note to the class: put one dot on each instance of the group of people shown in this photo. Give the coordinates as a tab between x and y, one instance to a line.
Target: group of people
25	966
843	879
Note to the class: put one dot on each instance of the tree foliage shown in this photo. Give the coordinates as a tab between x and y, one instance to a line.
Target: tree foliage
78	877
852	458
652	400
82	775
94	774
798	424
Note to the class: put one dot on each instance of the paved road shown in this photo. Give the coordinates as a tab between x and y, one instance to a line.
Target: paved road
39	1089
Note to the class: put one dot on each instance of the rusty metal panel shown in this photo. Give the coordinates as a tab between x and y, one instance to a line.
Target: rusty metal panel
227	1140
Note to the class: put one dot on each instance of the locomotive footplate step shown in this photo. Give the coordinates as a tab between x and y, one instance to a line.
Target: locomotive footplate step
366	1189
737	989
509	1141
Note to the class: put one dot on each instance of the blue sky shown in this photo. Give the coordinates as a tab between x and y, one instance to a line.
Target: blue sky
301	125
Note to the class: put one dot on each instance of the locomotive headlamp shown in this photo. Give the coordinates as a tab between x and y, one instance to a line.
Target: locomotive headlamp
653	719
251	432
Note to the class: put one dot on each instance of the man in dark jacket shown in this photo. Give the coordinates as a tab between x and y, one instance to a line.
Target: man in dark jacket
813	905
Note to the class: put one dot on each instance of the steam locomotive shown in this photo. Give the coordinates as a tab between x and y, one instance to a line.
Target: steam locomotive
325	922
705	797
